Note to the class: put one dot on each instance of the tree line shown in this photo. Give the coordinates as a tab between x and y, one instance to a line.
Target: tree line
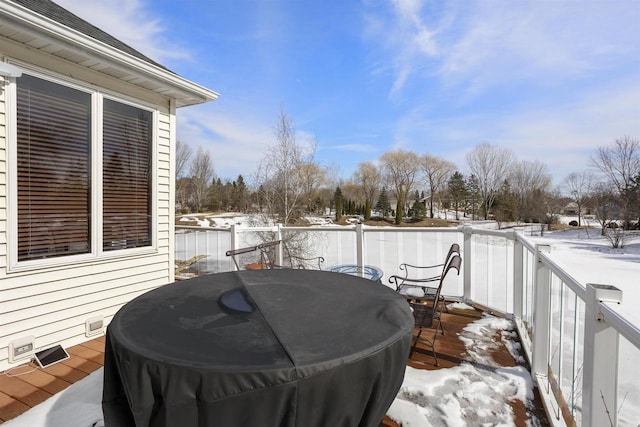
289	184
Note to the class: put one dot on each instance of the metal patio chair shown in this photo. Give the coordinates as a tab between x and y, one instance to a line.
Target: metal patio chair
427	311
413	275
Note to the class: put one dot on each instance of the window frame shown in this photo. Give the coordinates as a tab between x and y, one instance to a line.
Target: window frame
96	252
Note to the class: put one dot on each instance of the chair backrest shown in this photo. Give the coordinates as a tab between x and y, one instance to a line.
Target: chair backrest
455	262
425	315
454	249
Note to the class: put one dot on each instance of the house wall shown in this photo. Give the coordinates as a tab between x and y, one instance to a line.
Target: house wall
52	303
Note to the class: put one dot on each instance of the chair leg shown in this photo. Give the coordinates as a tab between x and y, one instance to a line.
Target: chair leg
444	302
431	344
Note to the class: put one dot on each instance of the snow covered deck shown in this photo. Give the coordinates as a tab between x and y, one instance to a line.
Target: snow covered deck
478	381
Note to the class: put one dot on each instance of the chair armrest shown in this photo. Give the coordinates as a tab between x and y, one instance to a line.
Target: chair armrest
302	263
402	280
233	252
405	266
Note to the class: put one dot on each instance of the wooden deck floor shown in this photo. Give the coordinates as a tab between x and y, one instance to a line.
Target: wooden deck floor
25	386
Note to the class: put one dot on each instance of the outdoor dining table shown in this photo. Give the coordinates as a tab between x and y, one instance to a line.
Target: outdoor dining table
367	271
260	348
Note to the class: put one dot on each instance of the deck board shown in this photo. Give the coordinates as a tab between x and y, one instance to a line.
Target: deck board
31	386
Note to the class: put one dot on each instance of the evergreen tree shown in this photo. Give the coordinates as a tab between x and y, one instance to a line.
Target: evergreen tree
473	194
457	191
338	202
367	210
239	195
383	205
418	209
505	206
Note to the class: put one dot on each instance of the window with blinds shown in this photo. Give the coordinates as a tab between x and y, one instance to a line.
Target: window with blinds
53	168
55	153
126	176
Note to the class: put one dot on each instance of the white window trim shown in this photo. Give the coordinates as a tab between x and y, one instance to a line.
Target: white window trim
96	249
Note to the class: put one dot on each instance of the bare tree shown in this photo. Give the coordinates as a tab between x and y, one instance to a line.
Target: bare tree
183	155
605	205
312	178
489	165
368	178
578	186
437	172
529	181
202	174
620	164
281	174
401	169
607	208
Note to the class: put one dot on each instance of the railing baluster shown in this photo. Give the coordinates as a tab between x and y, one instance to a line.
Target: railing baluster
234	242
542	284
466	259
518	278
600	373
359	245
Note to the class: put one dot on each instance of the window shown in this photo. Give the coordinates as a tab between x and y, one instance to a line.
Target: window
126	176
56	153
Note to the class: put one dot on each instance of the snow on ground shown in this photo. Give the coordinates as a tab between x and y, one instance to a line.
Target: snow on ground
475	393
77	406
589	258
235	218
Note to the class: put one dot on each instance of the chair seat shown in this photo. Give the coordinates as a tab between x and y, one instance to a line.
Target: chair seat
412	291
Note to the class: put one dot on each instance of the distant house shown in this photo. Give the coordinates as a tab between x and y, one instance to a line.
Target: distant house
87	147
570	209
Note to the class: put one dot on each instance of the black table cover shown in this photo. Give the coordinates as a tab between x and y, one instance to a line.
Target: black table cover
257	348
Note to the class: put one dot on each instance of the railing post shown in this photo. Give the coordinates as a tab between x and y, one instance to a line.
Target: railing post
468	232
518	279
541	297
279	248
234	244
359	245
600	373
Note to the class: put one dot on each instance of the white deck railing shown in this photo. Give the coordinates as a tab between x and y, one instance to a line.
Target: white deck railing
571	333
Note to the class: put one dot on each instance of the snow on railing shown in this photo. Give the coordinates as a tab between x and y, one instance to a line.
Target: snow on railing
570	333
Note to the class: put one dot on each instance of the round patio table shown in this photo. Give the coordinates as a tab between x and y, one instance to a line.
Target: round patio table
367	271
257	348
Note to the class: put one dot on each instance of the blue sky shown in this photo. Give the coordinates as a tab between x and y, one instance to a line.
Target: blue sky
551	80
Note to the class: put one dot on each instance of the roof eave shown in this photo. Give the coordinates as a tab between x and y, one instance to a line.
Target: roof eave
185	92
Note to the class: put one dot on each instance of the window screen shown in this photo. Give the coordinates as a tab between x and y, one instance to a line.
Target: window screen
53	168
126	176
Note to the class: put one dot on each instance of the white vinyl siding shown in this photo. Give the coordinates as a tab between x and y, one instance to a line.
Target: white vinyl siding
52	302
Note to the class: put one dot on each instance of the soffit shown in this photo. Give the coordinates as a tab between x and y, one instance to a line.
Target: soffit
45	35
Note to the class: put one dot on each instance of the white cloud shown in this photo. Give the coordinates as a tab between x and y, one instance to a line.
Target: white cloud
477	45
237	145
132	22
358	148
